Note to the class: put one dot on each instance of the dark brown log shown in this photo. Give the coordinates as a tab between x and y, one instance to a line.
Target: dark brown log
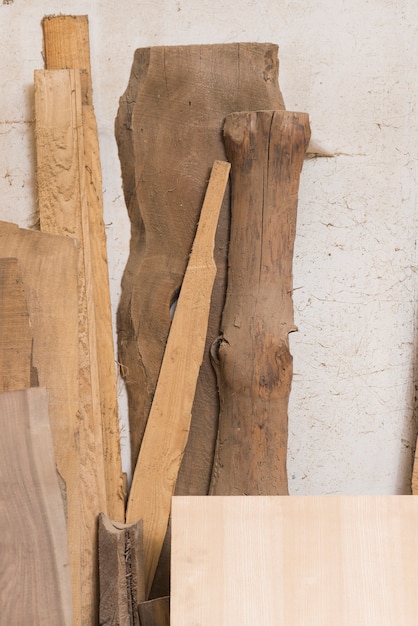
155	612
168	131
121	572
266	150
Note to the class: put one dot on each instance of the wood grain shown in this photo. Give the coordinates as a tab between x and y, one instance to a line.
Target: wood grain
66	45
155	612
254	366
287	561
121	568
35	583
15	330
48	265
63	207
168	424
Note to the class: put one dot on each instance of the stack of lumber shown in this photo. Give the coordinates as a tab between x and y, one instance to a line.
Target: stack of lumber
208	368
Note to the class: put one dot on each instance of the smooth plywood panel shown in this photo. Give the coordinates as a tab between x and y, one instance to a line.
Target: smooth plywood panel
294	561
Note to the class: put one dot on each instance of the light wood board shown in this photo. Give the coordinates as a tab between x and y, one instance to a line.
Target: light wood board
294	561
35	583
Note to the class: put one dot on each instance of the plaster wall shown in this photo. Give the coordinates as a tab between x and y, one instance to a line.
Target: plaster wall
353	67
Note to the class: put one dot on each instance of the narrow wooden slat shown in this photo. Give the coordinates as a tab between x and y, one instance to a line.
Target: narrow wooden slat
288	561
66	43
63	209
15	331
34	574
168	424
121	567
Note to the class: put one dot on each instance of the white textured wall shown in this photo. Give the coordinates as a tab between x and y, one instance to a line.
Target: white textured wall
353	67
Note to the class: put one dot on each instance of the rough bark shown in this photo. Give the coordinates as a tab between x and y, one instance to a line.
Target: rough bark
266	151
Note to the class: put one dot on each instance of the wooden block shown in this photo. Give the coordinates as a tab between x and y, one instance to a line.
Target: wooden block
35	583
288	561
66	45
121	568
168	425
15	330
254	366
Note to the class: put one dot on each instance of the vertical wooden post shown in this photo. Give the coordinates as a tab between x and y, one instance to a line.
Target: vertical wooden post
266	151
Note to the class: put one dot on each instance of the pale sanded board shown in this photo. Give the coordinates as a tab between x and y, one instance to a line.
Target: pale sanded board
294	561
34	573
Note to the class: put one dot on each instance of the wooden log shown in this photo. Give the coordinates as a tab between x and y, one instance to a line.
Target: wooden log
155	612
266	150
169	133
15	330
168	130
35	583
121	567
316	560
66	45
63	209
48	266
168	425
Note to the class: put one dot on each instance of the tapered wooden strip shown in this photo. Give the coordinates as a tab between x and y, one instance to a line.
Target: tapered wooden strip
34	574
121	567
252	358
66	43
155	612
15	331
63	209
48	265
168	424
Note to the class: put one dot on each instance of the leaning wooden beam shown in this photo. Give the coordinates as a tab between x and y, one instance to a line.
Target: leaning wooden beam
122	582
168	424
63	209
35	578
48	265
66	45
252	358
15	329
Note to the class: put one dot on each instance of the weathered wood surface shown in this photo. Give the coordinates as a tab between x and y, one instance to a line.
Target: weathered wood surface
266	150
15	330
48	265
121	568
155	612
288	561
35	583
66	45
63	208
168	424
168	130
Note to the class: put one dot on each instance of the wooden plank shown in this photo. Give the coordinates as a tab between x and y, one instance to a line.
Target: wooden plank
121	567
66	43
252	358
15	331
48	266
287	561
155	612
67	46
168	425
34	575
